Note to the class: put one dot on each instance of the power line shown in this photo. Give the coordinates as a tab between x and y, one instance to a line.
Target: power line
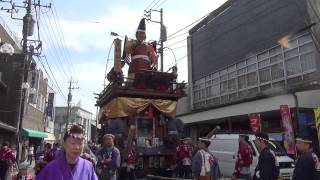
155	4
51	35
177	36
59	42
161	4
48	41
150	4
52	79
188	25
177	42
56	16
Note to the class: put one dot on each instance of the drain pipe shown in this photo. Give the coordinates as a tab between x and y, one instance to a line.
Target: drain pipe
296	115
296	112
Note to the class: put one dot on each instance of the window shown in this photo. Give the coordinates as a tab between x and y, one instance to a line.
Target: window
263	63
293	66
263	56
232	86
306	48
308	62
305	38
264	75
277	71
224	87
252	60
215	90
252	79
208	92
276	58
291	53
242	82
252	67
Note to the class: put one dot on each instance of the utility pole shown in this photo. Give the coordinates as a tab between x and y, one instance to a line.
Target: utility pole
163	31
69	100
29	48
161	38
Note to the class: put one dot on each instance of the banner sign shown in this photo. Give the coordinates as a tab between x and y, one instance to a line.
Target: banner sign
255	122
317	121
50	107
288	129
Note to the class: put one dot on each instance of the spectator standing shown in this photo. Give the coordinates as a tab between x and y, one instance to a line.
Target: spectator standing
30	153
307	165
7	159
267	167
23	173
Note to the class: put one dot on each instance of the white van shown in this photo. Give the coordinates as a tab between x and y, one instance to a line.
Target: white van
225	148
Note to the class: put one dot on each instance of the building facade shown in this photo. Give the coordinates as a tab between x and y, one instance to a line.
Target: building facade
251	57
12	69
78	116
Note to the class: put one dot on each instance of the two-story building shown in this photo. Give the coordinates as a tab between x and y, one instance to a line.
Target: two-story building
253	56
77	115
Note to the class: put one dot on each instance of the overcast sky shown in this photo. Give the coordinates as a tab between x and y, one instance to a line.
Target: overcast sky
76	37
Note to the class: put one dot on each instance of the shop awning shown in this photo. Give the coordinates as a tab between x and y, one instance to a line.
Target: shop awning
33	133
50	137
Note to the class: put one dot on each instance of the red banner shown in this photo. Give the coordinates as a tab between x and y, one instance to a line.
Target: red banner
255	122
288	129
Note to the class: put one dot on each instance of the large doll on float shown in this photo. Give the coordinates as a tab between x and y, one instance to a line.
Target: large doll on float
143	55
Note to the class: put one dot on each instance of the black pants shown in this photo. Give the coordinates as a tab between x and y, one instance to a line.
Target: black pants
3	169
185	172
30	158
245	176
124	174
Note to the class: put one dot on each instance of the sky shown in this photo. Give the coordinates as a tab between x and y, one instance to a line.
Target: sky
76	38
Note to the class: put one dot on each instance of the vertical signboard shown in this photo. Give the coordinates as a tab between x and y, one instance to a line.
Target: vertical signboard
255	122
317	121
288	129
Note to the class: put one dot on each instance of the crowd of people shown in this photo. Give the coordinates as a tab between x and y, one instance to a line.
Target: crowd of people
77	160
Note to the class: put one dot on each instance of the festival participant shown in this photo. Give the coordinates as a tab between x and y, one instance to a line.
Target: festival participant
23	173
108	159
70	165
244	159
7	158
184	156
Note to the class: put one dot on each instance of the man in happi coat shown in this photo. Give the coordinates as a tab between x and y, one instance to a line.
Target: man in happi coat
184	156
244	159
108	159
70	166
7	158
204	165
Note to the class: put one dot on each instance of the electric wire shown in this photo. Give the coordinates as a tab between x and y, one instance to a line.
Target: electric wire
48	41
150	4
51	77
57	22
155	4
161	4
53	44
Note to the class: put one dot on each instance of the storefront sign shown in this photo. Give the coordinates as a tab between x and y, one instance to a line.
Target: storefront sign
317	120
255	122
288	129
